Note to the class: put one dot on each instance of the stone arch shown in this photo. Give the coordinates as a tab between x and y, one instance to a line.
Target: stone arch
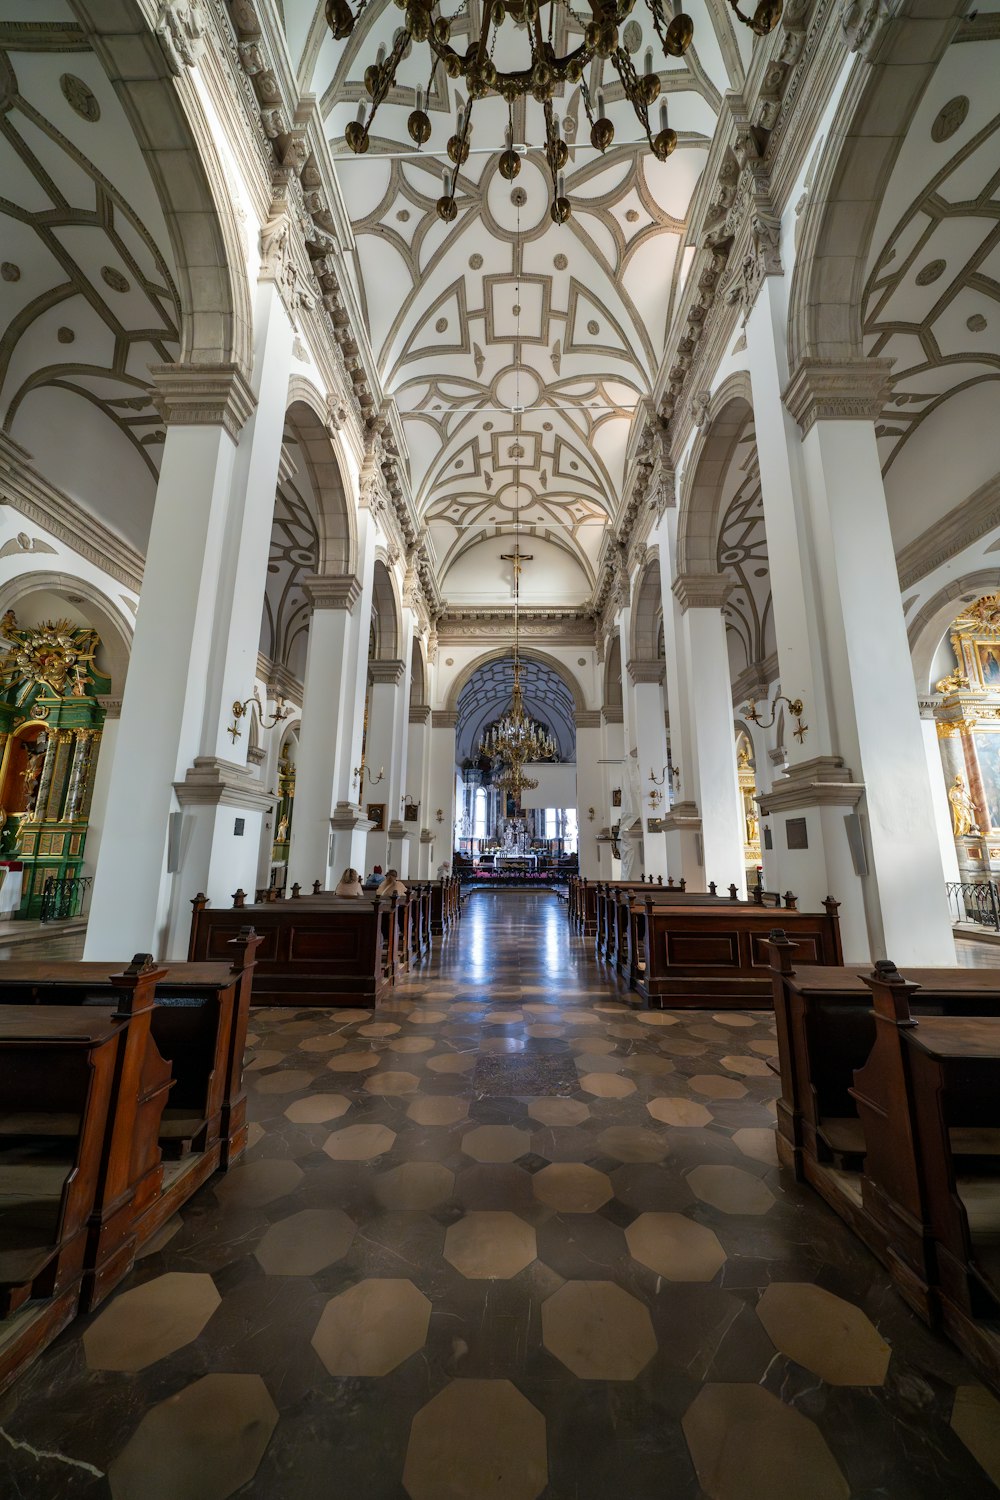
929	624
698	516
386	613
874	115
336	515
110	624
613	674
177	142
527	653
647	614
418	675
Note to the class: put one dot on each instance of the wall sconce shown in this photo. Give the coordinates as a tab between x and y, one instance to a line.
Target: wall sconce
655	797
440	815
591	814
673	772
795	708
247	706
361	771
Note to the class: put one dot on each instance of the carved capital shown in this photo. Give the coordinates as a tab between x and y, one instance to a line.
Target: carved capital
702	590
850	390
612	715
202	396
337	592
180	27
588	718
646	671
444	718
390	672
420	713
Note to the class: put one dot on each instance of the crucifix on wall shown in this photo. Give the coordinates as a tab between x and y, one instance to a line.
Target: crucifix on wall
518	558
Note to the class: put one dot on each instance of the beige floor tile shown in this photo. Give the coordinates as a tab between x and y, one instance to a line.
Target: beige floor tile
650	1063
975	1420
392	1083
477	1440
306	1243
255	1184
607	1085
560	1112
749	1067
734	1018
490	1245
675	1247
823	1333
415	1185
731	1190
147	1323
684	1112
714	1086
747	1445
354	1062
332	1043
593	1044
359	1142
656	1018
438	1109
427	1017
452	1062
503	1017
263	1058
758	1142
379	1028
572	1188
348	1017
633	1143
544	1030
205	1442
598	1330
412	1044
766	1048
372	1327
496	1143
316	1109
285	1081
627	1030
681	1046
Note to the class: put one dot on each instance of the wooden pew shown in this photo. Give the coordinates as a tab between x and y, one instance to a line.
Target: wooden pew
622	922
319	950
199	1026
582	904
446	903
698	954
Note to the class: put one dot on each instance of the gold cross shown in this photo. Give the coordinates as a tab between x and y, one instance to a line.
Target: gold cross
517	557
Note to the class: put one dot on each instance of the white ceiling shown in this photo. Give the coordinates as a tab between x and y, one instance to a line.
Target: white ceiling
502	307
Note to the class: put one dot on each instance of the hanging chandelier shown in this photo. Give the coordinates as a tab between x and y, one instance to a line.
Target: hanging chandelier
544	74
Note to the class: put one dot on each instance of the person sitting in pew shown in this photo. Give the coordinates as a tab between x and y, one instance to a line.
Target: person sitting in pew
350	884
392	885
374	880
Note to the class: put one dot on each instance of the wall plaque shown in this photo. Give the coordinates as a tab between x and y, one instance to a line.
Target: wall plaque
796	833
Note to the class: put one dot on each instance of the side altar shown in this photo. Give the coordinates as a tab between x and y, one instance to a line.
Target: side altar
50	730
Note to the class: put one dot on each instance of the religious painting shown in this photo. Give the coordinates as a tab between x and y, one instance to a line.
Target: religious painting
375	813
988	659
616	797
988	754
411	812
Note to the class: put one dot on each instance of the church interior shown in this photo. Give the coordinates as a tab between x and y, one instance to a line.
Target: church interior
499	749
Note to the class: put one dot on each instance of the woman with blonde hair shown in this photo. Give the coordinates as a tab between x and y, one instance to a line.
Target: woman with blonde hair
392	885
350	884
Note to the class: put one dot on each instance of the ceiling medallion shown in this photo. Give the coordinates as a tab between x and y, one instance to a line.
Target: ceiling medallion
930	272
544	73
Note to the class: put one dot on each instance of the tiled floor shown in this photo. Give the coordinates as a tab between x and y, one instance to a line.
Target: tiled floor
506	1238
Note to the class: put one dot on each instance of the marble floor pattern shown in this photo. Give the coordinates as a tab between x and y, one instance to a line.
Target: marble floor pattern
505	1238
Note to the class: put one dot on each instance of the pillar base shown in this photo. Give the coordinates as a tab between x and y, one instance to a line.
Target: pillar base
682	826
348	846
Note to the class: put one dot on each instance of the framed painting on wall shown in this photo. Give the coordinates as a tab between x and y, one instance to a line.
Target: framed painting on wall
375	813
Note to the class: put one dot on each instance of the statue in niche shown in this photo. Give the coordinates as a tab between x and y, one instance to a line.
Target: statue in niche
963	809
32	772
282	835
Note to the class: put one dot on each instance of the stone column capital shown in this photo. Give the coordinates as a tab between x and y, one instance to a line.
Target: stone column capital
112	706
444	718
420	713
336	591
702	590
386	671
202	396
848	390
613	715
588	718
647	671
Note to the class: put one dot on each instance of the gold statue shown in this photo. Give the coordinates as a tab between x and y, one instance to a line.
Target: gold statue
963	809
282	831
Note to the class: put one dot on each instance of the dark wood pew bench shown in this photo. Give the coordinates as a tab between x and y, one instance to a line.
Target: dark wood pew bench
697	955
621	921
318	950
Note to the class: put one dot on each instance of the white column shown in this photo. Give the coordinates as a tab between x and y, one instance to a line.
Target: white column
417	778
651	746
590	793
441	784
701	597
401	835
871	674
385	721
102	773
939	793
682	821
173	655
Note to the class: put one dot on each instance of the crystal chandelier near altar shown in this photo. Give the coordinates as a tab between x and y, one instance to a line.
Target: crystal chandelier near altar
547	63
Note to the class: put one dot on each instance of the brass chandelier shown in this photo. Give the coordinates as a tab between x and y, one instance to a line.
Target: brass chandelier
545	72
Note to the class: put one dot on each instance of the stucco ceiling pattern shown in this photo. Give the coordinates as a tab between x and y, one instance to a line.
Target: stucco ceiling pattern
741	554
87	298
502	309
932	296
486	695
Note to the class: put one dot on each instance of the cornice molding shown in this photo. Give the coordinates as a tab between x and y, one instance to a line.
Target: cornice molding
571	627
755	680
336	591
973	519
202	396
389	672
112	706
847	391
613	715
278	680
702	590
420	713
647	671
211	782
822	782
444	718
683	817
588	718
61	517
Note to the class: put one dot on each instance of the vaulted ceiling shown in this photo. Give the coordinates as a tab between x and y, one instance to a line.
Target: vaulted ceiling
487	695
501	308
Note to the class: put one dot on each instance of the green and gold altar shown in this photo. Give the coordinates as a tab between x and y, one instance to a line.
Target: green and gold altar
50	731
968	726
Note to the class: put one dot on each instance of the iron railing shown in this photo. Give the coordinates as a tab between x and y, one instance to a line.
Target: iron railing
63	898
976	901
